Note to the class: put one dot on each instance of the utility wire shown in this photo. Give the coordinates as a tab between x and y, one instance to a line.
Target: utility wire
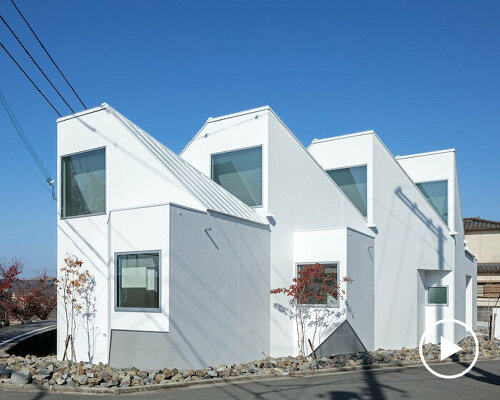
34	62
25	164
22	135
27	144
46	52
27	76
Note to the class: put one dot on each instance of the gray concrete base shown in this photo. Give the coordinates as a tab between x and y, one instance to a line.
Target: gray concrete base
341	341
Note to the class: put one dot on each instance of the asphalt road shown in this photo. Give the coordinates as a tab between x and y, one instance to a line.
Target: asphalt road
483	382
12	332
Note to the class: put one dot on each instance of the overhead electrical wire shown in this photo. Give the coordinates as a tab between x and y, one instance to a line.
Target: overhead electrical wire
28	144
34	62
46	52
22	161
31	80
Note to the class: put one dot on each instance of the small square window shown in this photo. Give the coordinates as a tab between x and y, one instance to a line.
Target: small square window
437	295
138	281
331	270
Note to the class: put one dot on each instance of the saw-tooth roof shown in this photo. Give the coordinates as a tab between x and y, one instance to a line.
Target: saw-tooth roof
208	192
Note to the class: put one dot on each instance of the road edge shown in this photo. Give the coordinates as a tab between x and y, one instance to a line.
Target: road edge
226	381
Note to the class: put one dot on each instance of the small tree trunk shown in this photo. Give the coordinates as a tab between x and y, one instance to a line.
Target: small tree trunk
66	342
312	349
491	331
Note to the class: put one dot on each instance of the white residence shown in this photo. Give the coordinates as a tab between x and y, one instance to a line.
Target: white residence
186	249
182	266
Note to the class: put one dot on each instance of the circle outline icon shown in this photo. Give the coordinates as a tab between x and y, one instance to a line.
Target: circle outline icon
468	329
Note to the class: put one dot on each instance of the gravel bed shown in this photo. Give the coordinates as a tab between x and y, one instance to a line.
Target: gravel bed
48	373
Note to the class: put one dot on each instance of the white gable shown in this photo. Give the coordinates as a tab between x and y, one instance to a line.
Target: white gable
209	193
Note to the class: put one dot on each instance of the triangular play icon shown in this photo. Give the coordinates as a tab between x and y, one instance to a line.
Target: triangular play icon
448	348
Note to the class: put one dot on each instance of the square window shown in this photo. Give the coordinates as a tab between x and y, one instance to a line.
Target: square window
353	182
138	279
437	295
437	194
331	270
83	184
240	173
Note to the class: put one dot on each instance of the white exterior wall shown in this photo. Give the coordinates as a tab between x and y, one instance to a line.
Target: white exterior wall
360	294
296	192
354	253
410	237
139	193
219	290
137	230
442	165
133	179
322	246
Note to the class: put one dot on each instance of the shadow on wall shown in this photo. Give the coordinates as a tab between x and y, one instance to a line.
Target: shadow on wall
88	313
437	231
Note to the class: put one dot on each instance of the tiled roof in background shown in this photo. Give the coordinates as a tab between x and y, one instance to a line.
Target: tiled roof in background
479	224
485	268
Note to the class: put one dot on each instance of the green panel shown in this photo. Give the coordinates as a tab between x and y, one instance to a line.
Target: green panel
437	295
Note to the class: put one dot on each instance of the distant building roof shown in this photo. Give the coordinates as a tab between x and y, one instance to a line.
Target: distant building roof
480	224
213	196
493	267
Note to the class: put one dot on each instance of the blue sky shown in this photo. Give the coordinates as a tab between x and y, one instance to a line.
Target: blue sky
424	75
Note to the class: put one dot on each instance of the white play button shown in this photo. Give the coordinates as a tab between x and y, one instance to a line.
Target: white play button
448	348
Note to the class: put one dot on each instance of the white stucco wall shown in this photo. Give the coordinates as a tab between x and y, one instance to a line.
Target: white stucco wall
295	191
321	246
219	289
442	165
410	236
354	253
133	179
139	193
138	230
360	294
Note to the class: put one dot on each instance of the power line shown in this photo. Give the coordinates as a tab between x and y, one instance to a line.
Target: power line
27	144
46	52
25	164
22	135
27	76
34	62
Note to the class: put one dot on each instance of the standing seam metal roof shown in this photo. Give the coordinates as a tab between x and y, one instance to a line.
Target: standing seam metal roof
208	192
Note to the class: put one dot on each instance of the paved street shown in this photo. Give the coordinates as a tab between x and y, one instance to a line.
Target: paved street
403	383
11	332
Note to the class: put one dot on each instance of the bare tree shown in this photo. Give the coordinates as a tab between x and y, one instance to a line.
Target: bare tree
73	285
